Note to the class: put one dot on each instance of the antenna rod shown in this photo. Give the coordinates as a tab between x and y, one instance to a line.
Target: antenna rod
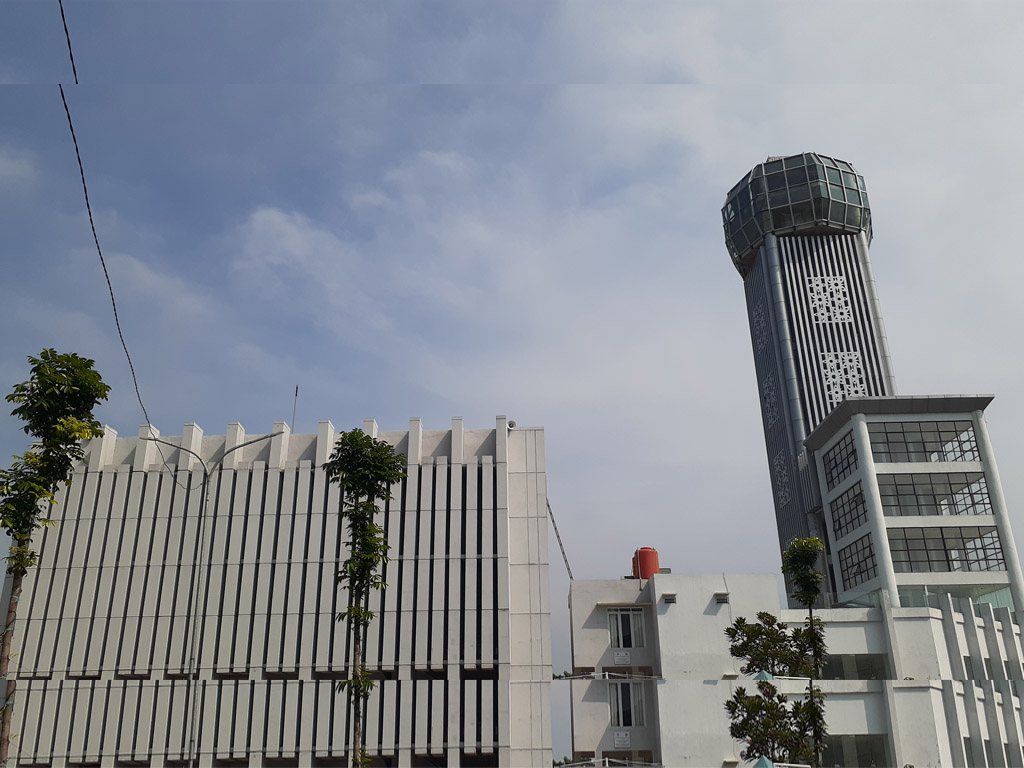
295	406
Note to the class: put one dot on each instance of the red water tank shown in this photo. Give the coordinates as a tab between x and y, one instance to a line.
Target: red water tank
645	563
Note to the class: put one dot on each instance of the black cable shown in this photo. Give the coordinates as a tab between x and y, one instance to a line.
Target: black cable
110	287
68	37
99	250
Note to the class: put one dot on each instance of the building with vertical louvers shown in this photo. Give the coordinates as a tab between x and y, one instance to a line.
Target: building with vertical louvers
155	635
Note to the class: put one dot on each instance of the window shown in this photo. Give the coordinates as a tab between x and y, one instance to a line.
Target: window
936	493
858	563
627	627
848	511
922	550
923	441
626	701
840	461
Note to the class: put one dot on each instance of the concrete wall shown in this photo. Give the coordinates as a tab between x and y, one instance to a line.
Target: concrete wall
136	588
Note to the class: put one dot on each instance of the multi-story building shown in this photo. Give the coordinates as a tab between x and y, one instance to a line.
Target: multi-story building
924	581
904	492
162	629
917	686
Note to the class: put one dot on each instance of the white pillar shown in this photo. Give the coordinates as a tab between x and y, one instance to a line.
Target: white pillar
873	502
995	493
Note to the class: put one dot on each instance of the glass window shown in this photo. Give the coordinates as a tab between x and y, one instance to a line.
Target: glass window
837	212
941	493
849	180
815	172
853	196
626	701
778	198
840	462
908	441
782	218
853	217
857	562
796	176
799	193
849	511
626	626
836	192
756	186
844	165
924	550
776	181
833	176
819	189
773	167
802	213
794	161
820	208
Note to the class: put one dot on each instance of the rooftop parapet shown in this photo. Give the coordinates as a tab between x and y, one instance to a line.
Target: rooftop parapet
800	194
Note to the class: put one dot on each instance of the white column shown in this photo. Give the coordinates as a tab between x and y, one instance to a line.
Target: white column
873	502
995	493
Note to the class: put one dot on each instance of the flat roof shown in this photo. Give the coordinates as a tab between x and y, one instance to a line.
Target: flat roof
893	405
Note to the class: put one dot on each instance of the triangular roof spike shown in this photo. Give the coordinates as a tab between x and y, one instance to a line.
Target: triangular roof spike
763	675
762	761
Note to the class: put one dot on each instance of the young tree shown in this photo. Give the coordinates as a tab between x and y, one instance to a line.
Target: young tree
56	404
765	720
799	561
364	469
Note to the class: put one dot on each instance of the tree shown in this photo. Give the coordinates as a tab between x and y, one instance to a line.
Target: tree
364	469
798	563
56	404
765	719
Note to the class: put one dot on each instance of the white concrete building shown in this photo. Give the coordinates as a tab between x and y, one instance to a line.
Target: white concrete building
150	626
921	686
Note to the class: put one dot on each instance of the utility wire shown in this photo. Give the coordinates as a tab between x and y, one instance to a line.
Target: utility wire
70	54
110	287
559	537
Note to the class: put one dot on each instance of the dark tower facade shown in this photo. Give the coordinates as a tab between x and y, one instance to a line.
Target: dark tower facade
798	230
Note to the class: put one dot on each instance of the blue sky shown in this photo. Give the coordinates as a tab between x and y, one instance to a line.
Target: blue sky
466	209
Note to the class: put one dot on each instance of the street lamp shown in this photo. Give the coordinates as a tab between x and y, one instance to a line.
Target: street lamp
193	662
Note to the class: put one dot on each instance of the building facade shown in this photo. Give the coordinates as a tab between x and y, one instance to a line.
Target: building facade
904	492
162	631
925	686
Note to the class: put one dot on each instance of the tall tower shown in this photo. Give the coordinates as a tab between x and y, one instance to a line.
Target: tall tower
798	230
850	461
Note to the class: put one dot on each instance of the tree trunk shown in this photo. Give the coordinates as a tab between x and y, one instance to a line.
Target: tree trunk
5	663
357	698
815	731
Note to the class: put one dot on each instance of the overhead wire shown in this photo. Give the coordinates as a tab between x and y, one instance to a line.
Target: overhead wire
67	36
558	536
110	287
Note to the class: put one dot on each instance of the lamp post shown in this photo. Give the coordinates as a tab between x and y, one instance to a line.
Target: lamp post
193	662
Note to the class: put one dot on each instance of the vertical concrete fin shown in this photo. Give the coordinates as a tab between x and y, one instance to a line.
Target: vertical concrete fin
458	441
191	440
501	440
415	441
101	449
234	438
279	445
324	441
145	450
370	427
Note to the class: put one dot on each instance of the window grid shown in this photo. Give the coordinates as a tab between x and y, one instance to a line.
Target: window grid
626	626
923	441
923	550
626	701
840	462
849	511
938	493
857	562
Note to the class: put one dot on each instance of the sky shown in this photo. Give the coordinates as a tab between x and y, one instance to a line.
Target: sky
438	209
